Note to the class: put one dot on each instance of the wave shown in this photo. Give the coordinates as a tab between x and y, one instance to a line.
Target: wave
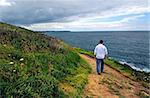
147	70
131	65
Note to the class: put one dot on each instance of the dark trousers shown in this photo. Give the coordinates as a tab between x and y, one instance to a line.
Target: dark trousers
99	65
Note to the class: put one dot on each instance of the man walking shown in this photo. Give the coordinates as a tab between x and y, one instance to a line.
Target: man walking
101	53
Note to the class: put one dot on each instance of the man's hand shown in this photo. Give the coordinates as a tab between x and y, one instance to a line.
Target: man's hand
106	56
94	57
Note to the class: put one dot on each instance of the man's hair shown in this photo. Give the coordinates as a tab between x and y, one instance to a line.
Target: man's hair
101	41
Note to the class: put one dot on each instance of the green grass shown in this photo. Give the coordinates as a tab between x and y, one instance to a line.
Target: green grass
82	51
141	77
78	79
111	62
35	65
121	68
126	70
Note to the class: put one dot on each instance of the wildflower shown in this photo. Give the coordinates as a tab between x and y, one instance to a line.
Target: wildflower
9	55
21	59
14	70
11	63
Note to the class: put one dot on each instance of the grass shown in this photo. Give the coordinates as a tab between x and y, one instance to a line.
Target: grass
77	79
125	70
35	65
114	90
82	51
141	77
111	62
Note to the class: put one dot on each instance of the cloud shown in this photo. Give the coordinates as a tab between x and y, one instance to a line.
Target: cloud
128	19
122	24
38	11
4	3
60	14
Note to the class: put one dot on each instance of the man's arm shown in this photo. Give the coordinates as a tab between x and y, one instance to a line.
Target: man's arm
95	51
106	52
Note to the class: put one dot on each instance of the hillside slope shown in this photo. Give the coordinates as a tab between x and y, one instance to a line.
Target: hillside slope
35	65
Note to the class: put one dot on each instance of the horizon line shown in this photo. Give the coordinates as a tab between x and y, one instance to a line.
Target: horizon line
90	30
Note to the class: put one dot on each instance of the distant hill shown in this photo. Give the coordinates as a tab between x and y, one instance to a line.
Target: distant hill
35	65
55	31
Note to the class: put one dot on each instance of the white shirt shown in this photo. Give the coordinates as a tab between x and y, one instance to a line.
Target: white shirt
100	51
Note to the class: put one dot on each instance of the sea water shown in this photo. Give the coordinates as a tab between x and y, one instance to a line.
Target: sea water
131	47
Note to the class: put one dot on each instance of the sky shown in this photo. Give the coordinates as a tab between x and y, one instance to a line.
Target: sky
77	15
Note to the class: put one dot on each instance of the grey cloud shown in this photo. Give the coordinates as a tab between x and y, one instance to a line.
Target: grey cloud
26	12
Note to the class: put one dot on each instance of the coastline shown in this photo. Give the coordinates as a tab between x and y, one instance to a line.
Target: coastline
146	70
57	67
120	50
117	84
124	68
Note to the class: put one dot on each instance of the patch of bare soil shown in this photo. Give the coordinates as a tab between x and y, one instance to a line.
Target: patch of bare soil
110	84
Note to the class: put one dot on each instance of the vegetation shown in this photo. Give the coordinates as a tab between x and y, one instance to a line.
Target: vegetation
35	65
124	69
114	85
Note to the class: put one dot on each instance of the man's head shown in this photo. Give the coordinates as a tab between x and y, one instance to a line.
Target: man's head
101	41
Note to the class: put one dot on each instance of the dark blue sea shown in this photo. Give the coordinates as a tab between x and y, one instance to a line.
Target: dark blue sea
131	47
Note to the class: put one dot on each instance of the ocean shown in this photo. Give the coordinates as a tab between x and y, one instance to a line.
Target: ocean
131	47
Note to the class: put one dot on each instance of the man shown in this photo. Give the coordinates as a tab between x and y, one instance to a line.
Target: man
101	53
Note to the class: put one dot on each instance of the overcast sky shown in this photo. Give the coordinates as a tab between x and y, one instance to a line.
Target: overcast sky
77	14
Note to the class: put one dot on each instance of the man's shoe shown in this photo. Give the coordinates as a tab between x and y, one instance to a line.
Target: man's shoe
99	74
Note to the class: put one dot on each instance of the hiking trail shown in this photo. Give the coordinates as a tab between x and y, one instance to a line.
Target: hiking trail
110	84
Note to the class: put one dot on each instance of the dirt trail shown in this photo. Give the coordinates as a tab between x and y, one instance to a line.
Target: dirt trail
110	84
